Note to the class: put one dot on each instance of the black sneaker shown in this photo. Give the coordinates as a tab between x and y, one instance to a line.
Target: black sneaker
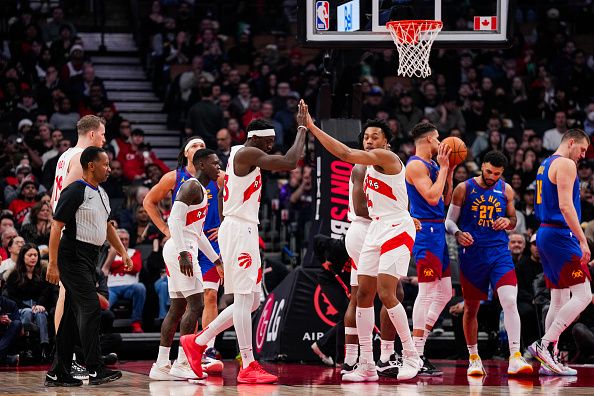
347	368
79	371
54	379
110	358
104	375
390	368
428	369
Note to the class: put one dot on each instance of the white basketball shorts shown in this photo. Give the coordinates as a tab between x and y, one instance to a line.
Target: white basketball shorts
180	285
353	241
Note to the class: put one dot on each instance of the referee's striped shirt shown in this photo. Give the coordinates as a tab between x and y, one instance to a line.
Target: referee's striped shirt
85	211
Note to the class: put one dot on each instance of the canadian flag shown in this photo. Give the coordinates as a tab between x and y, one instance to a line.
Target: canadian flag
485	23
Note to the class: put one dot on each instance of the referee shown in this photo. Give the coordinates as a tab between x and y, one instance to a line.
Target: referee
83	211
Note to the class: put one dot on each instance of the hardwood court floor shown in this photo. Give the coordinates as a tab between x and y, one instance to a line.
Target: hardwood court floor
296	379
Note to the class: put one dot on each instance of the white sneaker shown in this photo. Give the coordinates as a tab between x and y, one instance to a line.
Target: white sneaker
411	364
161	373
184	371
567	371
212	366
327	360
363	372
475	366
540	352
517	365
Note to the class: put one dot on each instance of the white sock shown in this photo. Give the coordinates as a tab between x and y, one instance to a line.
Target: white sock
511	318
163	355
386	350
559	298
420	343
221	323
442	294
181	355
242	321
400	321
581	297
365	322
351	354
211	342
472	349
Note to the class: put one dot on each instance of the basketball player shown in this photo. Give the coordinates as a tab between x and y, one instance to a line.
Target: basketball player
91	132
358	214
171	182
429	188
562	246
238	239
386	251
484	208
180	253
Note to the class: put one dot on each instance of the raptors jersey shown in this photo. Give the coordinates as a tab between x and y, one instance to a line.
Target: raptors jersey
195	217
386	195
351	213
62	172
241	194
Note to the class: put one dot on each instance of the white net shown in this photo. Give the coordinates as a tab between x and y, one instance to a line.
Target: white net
413	41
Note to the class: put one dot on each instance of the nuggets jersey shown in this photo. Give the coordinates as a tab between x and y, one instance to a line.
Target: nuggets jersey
195	217
419	207
351	213
212	218
386	195
241	194
546	200
181	175
482	206
62	172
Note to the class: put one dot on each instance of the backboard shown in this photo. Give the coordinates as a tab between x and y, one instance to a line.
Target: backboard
362	23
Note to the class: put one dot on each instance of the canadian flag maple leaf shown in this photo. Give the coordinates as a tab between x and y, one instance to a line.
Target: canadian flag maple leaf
485	23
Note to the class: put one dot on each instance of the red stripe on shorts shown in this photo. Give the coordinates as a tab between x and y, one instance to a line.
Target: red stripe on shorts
397	241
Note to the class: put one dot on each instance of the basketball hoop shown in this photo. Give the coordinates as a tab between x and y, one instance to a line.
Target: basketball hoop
413	39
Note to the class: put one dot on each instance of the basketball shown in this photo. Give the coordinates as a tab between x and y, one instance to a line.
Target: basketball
459	150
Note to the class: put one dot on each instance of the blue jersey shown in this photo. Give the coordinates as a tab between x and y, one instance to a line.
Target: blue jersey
181	175
546	200
419	207
481	208
212	216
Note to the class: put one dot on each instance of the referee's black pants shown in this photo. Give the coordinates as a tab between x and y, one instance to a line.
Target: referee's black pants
82	312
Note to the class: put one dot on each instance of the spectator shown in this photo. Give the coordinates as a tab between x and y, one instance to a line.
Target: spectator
6	221
253	111
286	117
241	103
122	141
527	269
80	85
552	137
51	30
22	205
14	248
408	115
65	119
27	287
11	191
238	135
123	282
448	116
194	78
517	245
205	118
112	121
74	67
113	186
267	114
143	232
38	229
8	234
137	157
223	146
153	175
27	108
56	137
10	330
49	170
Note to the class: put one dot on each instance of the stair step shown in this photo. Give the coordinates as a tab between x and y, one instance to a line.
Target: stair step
167	153
151	118
137	96
115	60
113	85
107	69
171	163
163	141
121	74
139	106
115	42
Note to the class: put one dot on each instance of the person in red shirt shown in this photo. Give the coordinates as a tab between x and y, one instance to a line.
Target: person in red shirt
21	206
123	282
137	156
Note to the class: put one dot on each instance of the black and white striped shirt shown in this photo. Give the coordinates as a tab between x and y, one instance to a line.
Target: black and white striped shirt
85	211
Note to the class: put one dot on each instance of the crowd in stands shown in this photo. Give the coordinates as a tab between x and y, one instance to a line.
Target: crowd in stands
214	78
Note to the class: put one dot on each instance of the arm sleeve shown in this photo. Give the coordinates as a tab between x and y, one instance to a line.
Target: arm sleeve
177	219
452	219
70	200
206	248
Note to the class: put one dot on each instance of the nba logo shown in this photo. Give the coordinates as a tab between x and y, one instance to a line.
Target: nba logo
322	15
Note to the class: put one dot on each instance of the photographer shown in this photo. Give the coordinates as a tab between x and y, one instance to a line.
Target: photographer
137	157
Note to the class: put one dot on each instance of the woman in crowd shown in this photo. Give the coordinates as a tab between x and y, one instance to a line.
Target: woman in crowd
38	229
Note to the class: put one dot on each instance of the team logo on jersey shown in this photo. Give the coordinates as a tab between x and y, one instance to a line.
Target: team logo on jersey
245	260
428	272
577	274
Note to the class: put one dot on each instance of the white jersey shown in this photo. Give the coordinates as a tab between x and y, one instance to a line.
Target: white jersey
241	194
386	195
351	213
61	173
195	217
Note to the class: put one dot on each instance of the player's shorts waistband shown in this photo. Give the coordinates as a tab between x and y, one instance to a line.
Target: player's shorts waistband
554	225
431	220
239	219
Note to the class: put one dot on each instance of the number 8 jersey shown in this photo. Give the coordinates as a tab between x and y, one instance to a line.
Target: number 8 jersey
241	194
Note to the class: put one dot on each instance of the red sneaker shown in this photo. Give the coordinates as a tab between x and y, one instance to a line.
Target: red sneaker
137	327
193	352
255	374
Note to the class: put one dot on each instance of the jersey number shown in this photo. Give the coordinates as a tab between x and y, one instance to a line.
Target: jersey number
59	180
483	211
538	192
225	189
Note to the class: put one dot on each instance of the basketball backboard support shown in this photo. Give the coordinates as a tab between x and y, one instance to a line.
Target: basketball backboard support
362	24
